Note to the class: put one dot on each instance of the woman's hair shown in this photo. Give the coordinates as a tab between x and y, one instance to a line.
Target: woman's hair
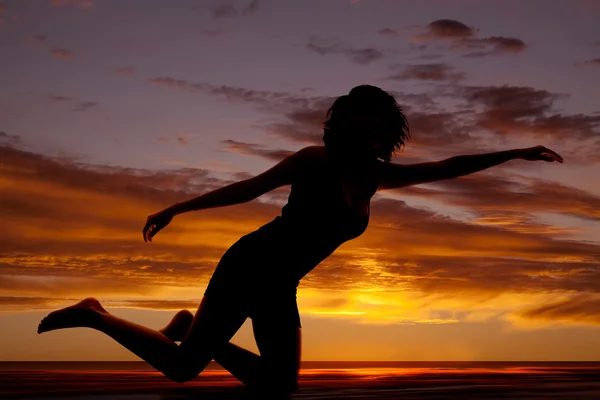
352	119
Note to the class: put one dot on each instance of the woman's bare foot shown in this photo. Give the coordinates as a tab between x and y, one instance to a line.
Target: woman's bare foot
86	313
179	326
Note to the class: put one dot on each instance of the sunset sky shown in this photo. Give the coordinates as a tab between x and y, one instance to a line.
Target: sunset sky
112	110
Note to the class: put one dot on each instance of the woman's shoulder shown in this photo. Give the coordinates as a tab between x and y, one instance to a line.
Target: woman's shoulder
317	152
313	156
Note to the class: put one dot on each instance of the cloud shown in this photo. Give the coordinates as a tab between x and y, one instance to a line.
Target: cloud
85	106
167	81
252	7
361	56
521	110
502	43
462	38
9	140
490	45
191	304
223	11
129	71
508	199
23	303
582	308
257	150
446	29
230	93
78	3
429	72
594	62
61	53
78	105
37	39
58	97
387	32
228	11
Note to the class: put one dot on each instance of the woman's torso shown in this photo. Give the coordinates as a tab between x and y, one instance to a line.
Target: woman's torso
326	207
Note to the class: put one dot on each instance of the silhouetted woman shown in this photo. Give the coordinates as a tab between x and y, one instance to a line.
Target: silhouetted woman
257	276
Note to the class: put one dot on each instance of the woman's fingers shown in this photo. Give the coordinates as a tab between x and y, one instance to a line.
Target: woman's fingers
150	234
148	228
145	231
154	224
552	156
551	153
546	154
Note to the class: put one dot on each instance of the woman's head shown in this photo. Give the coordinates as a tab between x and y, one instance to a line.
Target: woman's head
366	122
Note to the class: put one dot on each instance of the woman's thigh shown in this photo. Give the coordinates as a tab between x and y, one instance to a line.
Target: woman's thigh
217	320
276	325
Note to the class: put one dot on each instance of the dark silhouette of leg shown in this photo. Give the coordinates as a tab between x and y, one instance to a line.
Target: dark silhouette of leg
213	325
179	326
277	331
241	363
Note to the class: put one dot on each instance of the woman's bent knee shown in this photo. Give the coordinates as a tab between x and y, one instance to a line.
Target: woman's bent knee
184	370
182	375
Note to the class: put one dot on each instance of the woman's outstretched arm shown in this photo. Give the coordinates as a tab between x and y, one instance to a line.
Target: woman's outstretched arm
236	193
397	175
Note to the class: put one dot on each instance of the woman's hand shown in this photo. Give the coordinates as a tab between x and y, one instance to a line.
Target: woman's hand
155	223
538	153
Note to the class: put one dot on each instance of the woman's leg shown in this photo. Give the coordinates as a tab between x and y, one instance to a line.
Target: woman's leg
214	324
277	331
241	363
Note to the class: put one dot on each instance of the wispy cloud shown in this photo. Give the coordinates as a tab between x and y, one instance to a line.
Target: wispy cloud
578	309
387	32
462	38
490	45
513	110
78	104
181	139
61	53
128	70
224	11
361	56
85	106
9	140
428	72
36	39
593	62
228	10
254	149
